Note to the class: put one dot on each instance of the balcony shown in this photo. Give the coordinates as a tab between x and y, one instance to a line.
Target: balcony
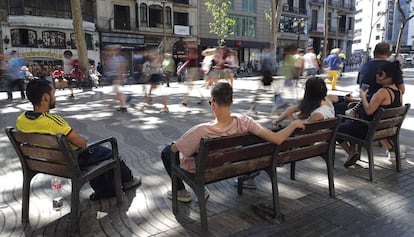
296	10
336	4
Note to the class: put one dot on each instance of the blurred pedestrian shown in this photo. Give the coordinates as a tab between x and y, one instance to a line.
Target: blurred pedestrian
94	75
334	63
16	77
115	69
232	65
168	68
154	71
59	77
207	67
310	63
192	66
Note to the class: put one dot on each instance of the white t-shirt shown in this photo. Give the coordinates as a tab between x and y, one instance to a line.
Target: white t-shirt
309	59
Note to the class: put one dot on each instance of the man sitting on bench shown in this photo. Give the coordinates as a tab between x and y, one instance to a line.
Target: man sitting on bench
225	124
42	95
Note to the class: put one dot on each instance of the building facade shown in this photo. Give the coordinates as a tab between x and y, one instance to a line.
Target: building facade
42	31
377	21
340	24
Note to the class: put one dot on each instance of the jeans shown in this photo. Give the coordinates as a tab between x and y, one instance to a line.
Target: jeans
104	185
166	160
12	84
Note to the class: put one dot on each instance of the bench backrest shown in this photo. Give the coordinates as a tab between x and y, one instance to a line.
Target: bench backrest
387	122
223	157
318	139
44	153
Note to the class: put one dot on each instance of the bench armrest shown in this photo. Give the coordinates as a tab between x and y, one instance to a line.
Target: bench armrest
111	140
344	117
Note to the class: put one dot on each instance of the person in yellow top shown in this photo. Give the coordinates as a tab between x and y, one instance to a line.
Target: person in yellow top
42	95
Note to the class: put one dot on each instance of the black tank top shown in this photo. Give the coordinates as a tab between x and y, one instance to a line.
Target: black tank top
396	102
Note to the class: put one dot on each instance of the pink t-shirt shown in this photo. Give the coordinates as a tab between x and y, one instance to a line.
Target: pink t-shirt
189	142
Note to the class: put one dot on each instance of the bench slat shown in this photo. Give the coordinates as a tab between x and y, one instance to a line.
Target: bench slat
239	154
238	168
51	155
220	143
38	139
49	168
393	112
302	153
390	122
384	133
306	139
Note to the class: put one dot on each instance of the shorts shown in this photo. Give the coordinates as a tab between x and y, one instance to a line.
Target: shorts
155	79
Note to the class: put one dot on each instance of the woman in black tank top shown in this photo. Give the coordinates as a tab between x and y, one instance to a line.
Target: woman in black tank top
389	96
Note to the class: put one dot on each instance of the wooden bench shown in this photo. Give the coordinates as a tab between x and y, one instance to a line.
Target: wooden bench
231	156
386	124
40	153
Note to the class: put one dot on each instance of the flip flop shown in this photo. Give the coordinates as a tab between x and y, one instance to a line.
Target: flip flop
352	160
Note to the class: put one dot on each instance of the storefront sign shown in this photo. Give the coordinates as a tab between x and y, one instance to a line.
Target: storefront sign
41	54
181	30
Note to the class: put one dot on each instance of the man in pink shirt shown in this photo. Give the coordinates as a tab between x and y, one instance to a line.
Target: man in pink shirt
224	124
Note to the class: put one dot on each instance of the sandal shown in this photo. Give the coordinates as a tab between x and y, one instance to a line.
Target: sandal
352	160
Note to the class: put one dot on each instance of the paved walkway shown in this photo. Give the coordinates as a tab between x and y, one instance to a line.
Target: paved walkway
362	208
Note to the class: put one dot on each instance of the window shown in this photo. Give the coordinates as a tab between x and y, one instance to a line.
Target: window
181	1
249	5
377	37
89	43
181	18
53	39
121	17
88	10
245	26
168	15
314	19
23	37
143	17
16	7
155	16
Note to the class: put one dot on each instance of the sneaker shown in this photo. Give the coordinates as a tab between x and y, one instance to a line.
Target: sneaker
122	109
164	110
350	113
391	155
251	112
181	196
250	183
134	182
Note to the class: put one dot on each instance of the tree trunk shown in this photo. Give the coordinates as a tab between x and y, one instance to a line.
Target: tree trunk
276	14
80	36
400	33
325	29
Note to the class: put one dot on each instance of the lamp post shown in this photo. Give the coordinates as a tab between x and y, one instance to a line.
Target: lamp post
383	34
164	37
298	23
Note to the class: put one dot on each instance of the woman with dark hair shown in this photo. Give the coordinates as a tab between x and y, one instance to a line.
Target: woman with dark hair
316	105
389	96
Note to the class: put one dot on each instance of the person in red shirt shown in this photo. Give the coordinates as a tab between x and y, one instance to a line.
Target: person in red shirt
59	76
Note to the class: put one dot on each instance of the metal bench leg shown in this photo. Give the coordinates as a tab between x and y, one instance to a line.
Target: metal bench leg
371	163
26	197
74	208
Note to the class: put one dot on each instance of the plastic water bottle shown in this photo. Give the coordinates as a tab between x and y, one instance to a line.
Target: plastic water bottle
56	185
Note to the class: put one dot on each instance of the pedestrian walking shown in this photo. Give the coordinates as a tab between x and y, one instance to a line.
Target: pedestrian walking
115	69
154	68
16	77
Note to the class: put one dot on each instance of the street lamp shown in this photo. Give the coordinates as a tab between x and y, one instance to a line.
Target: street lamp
383	34
298	23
